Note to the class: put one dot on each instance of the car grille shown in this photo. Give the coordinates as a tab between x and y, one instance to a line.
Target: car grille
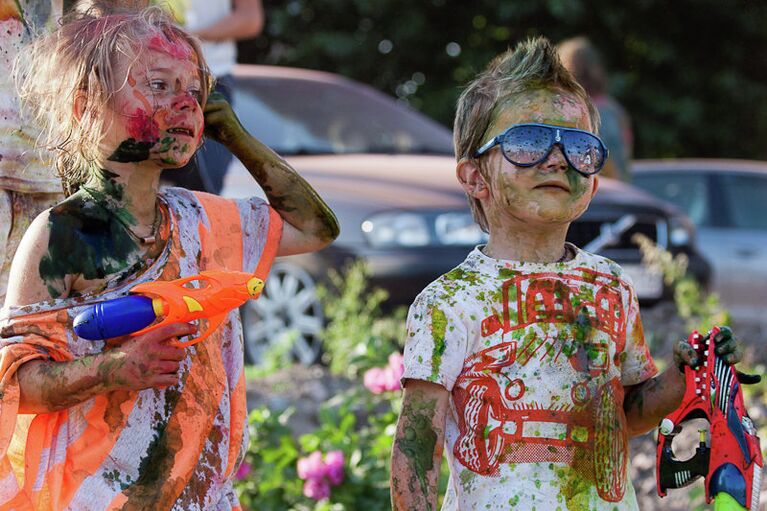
584	231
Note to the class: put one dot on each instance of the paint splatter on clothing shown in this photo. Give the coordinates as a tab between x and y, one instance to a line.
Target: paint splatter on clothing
176	448
535	357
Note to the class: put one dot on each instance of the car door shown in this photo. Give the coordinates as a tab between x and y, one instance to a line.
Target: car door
741	242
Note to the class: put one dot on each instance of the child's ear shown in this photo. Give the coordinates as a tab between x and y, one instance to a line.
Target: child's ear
596	186
79	104
471	179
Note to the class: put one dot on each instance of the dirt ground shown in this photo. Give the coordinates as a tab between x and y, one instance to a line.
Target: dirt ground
305	388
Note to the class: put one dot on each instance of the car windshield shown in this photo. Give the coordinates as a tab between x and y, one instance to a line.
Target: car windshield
296	116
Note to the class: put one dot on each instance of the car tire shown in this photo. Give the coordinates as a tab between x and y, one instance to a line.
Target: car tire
288	303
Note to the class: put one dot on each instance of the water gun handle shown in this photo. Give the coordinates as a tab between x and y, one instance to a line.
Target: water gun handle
724	502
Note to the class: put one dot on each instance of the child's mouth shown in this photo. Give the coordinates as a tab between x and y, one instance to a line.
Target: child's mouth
553	185
181	131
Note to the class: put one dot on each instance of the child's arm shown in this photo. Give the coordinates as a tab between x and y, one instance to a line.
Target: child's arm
418	445
309	223
647	403
141	362
145	361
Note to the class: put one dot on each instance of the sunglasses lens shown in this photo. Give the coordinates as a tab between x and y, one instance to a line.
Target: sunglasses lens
584	151
526	145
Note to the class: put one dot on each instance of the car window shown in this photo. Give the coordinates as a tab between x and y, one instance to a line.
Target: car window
687	190
295	116
746	196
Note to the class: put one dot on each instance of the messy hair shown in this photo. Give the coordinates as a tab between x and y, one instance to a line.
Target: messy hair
532	65
80	59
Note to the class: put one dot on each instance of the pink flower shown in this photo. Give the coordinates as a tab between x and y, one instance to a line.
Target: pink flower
374	380
317	489
312	467
396	361
243	471
334	461
382	379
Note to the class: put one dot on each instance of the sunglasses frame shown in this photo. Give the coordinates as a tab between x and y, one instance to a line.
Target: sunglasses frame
498	140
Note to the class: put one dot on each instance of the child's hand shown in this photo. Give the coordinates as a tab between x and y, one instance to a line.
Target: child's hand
147	360
221	123
725	345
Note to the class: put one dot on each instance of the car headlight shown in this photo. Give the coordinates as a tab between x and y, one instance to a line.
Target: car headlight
681	231
397	229
458	228
419	229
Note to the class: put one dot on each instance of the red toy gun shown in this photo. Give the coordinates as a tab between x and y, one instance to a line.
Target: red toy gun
732	463
208	297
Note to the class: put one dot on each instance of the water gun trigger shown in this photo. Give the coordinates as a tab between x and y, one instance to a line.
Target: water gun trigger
213	323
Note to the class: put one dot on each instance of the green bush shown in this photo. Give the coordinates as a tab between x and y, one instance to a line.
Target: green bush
359	336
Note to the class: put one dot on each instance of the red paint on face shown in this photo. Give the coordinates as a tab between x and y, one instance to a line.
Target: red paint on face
142	127
158	102
176	48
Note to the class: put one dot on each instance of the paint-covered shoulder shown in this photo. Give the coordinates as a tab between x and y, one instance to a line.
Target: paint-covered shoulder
450	288
75	218
602	264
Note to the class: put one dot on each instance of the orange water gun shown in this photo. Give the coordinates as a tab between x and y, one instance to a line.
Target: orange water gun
207	297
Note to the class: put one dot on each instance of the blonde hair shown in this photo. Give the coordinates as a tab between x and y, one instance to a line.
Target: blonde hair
532	65
81	58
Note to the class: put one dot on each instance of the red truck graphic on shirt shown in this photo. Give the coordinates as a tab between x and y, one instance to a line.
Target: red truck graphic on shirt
497	426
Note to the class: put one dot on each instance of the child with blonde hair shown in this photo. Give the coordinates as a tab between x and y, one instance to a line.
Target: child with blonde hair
527	363
133	423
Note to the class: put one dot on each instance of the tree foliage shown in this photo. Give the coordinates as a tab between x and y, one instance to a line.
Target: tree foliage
692	73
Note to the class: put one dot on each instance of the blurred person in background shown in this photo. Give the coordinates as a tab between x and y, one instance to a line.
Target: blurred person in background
219	24
583	60
28	184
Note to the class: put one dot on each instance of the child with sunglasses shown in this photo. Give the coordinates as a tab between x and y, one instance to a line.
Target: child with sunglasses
528	362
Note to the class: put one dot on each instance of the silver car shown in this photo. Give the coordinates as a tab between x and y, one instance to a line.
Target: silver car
726	200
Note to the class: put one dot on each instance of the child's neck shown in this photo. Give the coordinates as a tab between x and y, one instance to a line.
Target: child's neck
132	191
527	244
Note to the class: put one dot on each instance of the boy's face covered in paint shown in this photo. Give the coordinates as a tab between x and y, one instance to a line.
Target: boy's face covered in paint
552	191
156	114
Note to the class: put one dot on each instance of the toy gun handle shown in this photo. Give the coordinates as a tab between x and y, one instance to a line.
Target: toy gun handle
724	502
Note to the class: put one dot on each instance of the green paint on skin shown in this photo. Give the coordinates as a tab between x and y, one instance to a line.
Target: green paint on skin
84	240
438	329
131	151
418	442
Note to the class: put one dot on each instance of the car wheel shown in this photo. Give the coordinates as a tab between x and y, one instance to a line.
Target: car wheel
288	303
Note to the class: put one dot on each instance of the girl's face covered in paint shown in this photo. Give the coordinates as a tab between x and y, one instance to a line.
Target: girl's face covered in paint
156	114
552	191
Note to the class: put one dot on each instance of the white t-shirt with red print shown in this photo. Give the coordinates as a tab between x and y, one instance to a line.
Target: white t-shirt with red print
535	357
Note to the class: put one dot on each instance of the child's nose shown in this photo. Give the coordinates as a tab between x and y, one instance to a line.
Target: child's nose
184	102
556	160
